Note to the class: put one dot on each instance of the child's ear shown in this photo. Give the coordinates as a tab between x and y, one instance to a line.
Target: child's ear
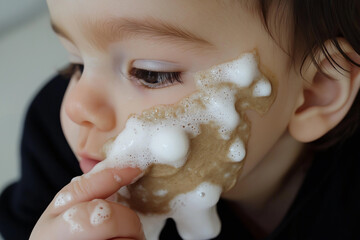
326	99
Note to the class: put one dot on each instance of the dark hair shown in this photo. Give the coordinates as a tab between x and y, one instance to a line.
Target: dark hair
314	23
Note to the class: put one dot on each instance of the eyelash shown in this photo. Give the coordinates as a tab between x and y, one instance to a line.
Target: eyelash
153	80
146	78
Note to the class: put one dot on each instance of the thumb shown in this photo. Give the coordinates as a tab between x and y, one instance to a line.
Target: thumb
99	185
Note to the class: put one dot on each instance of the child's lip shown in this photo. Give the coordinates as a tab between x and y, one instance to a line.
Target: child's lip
87	163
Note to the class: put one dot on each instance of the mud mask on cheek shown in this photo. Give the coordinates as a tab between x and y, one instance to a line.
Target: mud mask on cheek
191	151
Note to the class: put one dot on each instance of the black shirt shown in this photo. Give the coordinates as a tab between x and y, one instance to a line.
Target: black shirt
327	205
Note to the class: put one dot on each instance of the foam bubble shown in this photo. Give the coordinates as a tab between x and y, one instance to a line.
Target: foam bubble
170	145
68	217
63	199
161	193
117	178
100	213
262	88
242	71
237	151
204	196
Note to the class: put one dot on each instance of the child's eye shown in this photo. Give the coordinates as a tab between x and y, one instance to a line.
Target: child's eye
152	79
148	79
71	69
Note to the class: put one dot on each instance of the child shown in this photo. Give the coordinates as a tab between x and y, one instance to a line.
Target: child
300	179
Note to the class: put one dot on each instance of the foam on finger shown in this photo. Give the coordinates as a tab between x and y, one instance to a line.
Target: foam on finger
62	199
100	213
68	217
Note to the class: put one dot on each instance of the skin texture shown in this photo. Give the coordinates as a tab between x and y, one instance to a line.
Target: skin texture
83	191
98	102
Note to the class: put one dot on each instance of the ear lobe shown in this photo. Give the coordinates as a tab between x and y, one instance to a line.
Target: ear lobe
327	98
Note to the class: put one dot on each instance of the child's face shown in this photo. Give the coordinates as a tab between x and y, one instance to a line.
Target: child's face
114	38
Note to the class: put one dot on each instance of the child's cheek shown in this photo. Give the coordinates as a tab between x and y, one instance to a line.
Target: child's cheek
269	129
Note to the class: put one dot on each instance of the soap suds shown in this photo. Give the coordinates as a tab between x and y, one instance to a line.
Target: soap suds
117	178
262	88
237	151
63	199
68	217
161	192
194	213
100	213
170	145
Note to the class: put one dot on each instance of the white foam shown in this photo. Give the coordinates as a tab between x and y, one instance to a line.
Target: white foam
68	217
170	145
194	213
262	88
100	213
242	71
63	199
237	151
161	193
117	178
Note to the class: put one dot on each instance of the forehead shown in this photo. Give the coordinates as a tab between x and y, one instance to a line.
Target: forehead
174	10
205	17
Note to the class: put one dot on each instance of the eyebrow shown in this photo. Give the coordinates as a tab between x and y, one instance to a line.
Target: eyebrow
103	32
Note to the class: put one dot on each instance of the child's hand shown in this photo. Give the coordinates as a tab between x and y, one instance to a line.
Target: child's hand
75	214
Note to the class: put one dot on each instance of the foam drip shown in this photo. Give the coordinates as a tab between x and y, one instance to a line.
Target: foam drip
194	213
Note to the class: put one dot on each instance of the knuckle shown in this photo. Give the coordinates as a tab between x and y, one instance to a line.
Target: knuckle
81	188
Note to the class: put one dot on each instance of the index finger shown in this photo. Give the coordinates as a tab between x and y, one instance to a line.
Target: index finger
99	185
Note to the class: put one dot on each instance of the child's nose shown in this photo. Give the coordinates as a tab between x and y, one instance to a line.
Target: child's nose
87	104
